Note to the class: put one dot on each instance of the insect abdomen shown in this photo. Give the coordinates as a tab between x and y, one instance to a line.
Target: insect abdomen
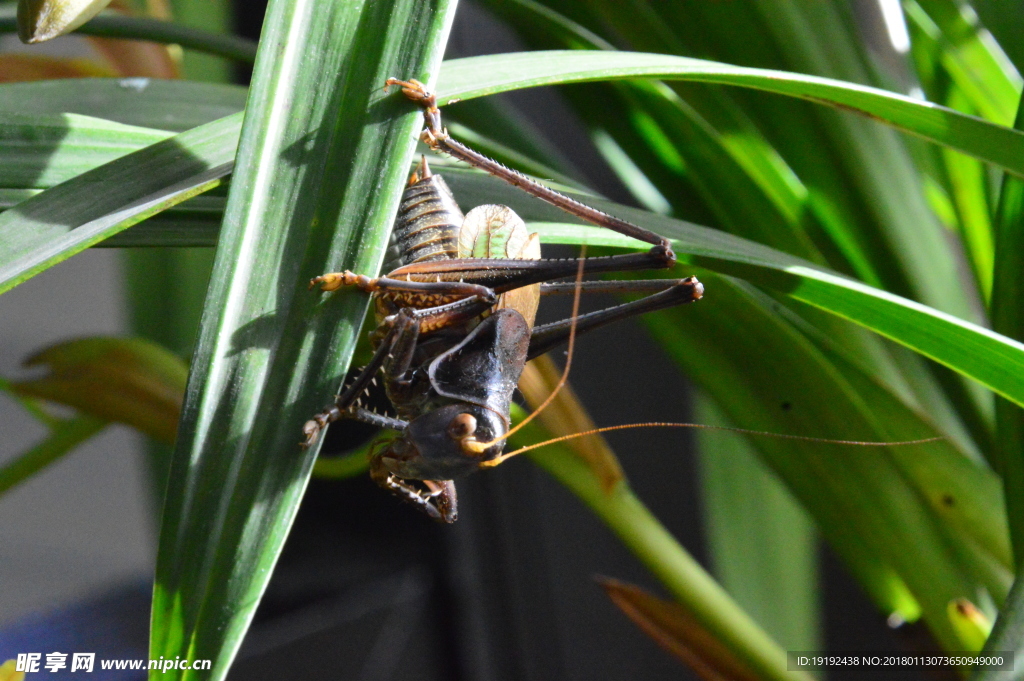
428	223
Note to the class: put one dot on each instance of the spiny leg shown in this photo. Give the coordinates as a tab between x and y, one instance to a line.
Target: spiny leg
438	139
394	355
568	288
344	405
548	336
506	274
456	289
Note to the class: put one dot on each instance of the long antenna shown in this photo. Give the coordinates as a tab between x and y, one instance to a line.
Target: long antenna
661	424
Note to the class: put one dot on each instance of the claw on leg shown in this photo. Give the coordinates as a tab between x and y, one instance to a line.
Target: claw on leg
417	92
414	90
313	427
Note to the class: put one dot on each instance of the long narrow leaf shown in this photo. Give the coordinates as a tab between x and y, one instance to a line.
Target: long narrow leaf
322	161
66	219
478	76
146	102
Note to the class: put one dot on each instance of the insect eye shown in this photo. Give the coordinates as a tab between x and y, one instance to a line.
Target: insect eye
462	426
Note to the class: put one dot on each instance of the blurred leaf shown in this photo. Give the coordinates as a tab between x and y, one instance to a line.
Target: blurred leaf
7	672
111	25
221	18
565	415
976	63
1007	635
343	467
972	624
880	508
763	545
133	58
151	103
29	67
41	20
63	437
127	380
678	632
1008	318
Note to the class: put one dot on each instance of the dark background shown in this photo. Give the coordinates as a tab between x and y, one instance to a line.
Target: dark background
370	589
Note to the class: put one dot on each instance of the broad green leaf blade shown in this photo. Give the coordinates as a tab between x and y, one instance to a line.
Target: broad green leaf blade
68	218
478	76
869	501
41	151
163	104
147	102
322	162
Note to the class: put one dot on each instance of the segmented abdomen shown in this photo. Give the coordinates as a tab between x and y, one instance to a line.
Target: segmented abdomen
427	226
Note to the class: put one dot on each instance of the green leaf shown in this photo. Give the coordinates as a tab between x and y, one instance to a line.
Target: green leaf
763	546
41	151
63	437
68	218
126	380
1008	632
322	162
478	76
874	504
976	63
173	105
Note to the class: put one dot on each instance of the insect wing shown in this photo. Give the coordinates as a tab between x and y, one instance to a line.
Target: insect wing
493	231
